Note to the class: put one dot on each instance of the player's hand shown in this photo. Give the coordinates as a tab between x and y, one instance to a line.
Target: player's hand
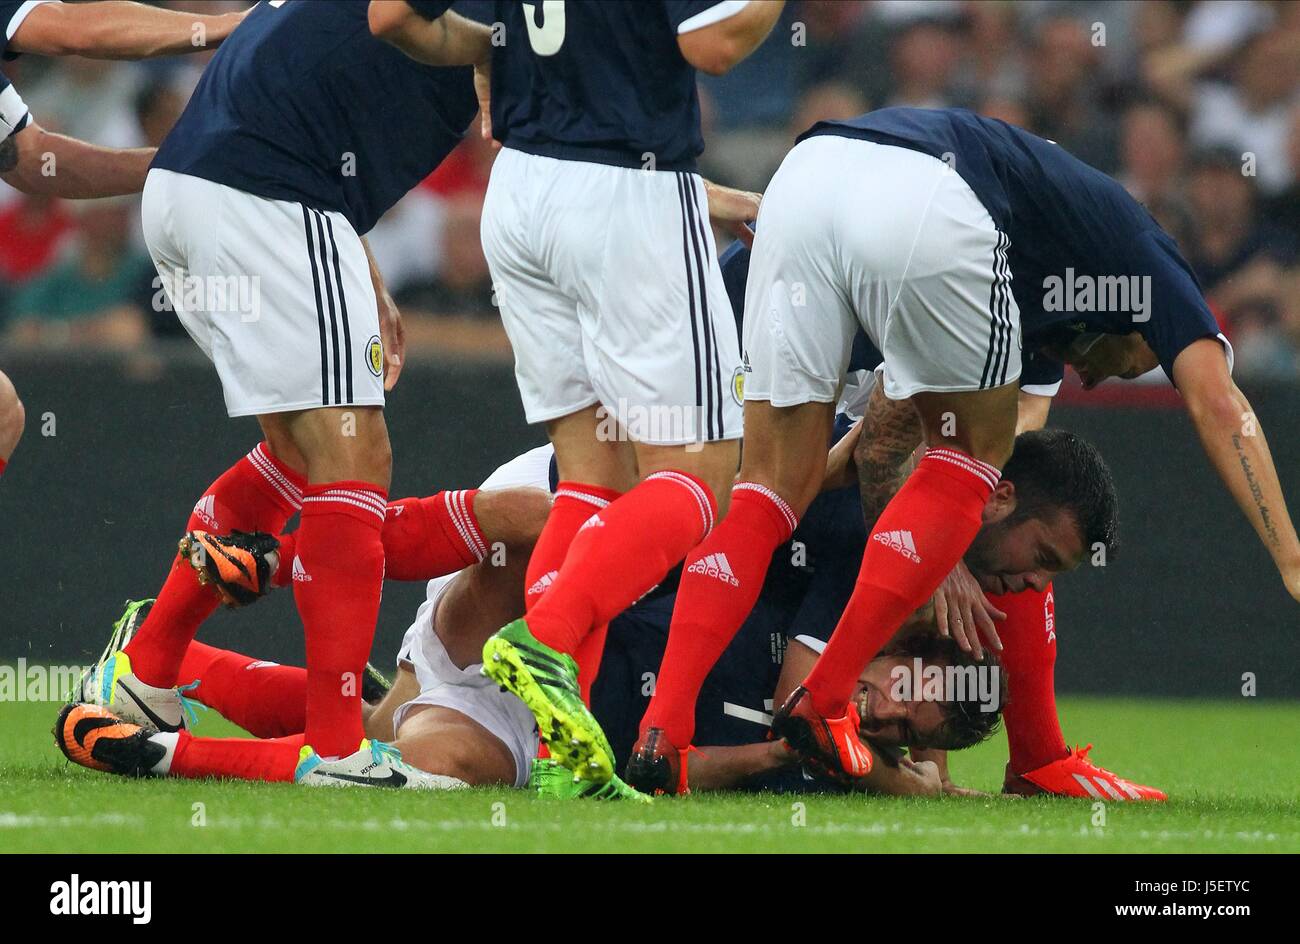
732	209
1292	582
963	612
393	334
924	776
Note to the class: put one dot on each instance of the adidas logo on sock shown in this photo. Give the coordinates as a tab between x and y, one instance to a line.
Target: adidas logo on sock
206	511
542	583
717	566
593	522
900	541
299	572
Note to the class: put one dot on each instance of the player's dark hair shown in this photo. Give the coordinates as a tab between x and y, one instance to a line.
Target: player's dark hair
1054	470
965	721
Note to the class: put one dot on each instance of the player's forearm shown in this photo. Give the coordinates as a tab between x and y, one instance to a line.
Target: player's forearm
721	768
1235	443
891	432
119	29
49	164
450	40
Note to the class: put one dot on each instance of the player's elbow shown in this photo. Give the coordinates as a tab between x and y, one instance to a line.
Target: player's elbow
712	54
388	19
1224	407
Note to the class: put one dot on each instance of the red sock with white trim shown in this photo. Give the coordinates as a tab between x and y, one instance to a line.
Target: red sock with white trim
240	758
621	552
720	584
574	503
337	589
423	538
265	699
1028	657
257	493
918	540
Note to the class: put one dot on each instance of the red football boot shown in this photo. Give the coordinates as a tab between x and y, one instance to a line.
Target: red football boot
1076	776
657	766
831	745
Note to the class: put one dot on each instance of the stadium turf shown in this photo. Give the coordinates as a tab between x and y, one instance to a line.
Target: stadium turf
1232	769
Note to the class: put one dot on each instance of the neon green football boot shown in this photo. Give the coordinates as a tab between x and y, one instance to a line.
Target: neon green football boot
552	780
547	682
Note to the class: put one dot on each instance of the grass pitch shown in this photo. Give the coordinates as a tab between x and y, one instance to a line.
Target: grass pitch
1231	768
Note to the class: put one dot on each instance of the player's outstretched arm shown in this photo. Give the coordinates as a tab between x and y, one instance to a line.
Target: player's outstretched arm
719	47
37	161
428	34
1237	448
118	29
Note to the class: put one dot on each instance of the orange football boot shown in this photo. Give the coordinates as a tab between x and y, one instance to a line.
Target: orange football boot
234	565
1076	776
657	766
830	745
94	737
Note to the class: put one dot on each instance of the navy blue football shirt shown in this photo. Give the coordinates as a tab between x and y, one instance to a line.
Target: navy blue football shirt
302	104
591	80
1076	234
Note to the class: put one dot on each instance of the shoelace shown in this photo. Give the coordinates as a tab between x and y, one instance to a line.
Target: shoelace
189	704
382	752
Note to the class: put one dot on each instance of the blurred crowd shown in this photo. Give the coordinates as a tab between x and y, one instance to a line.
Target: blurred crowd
1194	106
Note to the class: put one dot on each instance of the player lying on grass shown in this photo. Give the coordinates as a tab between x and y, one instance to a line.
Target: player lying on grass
452	721
948	239
36	161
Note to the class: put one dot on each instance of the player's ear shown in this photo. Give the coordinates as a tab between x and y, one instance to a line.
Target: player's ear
1001	503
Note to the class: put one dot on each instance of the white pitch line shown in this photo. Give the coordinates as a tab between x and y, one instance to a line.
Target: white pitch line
220	823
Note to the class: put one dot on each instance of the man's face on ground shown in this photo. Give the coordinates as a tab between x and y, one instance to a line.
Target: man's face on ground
889	719
1013	554
1097	357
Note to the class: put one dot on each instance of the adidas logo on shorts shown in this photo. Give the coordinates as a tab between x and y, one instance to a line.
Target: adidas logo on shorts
900	541
299	572
715	565
206	511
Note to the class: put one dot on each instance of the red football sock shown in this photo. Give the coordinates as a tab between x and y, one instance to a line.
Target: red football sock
574	504
242	758
588	656
3	463
720	584
423	538
918	540
258	493
1028	656
337	589
265	699
620	553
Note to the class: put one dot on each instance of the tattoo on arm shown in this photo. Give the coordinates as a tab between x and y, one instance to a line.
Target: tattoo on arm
8	154
1256	492
891	432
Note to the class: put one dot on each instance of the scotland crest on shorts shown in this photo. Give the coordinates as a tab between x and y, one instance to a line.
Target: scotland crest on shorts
375	355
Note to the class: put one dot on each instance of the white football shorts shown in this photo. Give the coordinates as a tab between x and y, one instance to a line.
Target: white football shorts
278	295
857	233
610	290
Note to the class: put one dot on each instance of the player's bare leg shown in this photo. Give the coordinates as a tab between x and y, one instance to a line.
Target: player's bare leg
781	473
916	542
